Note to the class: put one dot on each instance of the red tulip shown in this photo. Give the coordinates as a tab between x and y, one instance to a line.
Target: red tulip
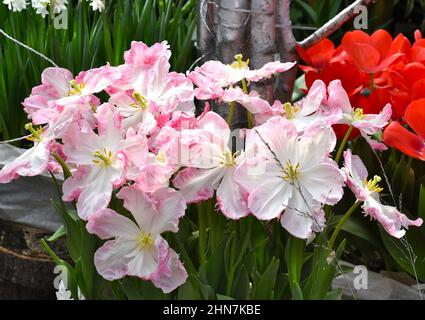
318	55
418	48
371	54
399	137
351	79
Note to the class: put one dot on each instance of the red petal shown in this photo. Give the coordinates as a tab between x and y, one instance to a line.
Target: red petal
399	102
397	136
415	116
418	89
400	45
381	41
303	54
413	72
363	54
321	53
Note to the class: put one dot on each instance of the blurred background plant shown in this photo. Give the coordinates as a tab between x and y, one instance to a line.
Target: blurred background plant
90	39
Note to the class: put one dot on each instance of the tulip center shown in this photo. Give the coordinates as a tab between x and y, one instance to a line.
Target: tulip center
141	101
291	173
239	63
36	133
76	88
103	158
144	241
161	157
290	110
359	115
373	184
228	159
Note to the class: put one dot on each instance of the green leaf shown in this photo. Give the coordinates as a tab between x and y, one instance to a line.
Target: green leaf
264	289
410	255
324	269
294	256
241	288
333	295
186	292
137	289
223	297
215	272
59	233
308	10
359	228
297	293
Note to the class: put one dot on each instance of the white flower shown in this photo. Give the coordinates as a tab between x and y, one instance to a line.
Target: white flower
367	124
16	5
40	7
59	6
97	5
136	247
298	176
368	191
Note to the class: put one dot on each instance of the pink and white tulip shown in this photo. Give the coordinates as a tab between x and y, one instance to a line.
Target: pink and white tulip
211	166
368	124
137	248
55	84
102	161
367	191
311	111
33	161
288	175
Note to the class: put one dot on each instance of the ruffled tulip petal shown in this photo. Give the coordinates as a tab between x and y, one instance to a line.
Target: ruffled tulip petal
232	199
107	224
170	274
32	162
198	184
111	260
302	217
389	217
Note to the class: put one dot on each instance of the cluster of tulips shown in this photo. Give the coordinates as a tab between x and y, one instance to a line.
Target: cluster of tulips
130	133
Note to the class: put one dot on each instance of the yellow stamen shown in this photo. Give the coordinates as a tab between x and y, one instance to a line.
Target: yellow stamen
358	114
144	241
103	159
373	184
36	133
141	101
291	173
239	63
228	159
76	87
290	110
161	157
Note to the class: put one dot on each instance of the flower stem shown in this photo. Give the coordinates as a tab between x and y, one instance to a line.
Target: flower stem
249	115
202	234
343	143
66	172
230	116
342	222
372	81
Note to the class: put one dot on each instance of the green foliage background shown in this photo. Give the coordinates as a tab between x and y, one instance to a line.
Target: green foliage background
90	40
